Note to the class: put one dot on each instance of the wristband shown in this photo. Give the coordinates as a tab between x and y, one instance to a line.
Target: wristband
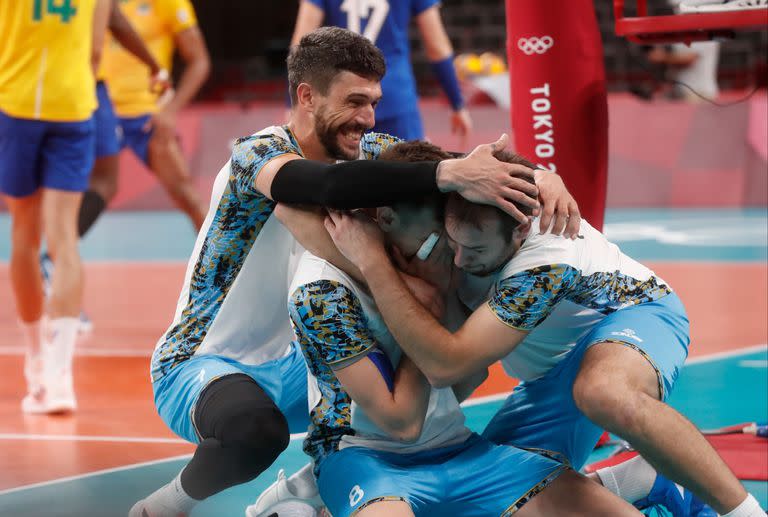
446	75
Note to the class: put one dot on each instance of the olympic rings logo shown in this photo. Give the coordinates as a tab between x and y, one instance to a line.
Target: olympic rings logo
535	45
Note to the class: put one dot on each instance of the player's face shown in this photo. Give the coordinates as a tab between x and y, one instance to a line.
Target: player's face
345	114
477	251
413	229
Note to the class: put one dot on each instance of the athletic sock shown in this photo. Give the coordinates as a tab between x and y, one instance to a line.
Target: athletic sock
169	500
33	336
631	480
749	507
63	334
33	357
302	484
90	209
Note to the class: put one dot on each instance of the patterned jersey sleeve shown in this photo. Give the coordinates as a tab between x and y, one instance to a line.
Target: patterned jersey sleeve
525	299
328	318
249	156
373	144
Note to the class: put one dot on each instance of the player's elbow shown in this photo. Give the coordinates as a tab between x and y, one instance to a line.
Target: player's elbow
445	375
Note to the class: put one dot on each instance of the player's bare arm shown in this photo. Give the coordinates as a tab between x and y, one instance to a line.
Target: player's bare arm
400	412
126	35
444	357
309	18
197	65
438	49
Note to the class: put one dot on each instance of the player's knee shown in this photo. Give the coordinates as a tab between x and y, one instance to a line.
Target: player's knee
608	404
263	429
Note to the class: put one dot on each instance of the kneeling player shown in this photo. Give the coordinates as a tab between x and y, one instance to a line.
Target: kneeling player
383	440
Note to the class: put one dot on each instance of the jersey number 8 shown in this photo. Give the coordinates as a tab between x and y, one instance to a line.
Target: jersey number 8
62	8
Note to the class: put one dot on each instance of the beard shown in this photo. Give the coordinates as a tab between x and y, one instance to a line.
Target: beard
329	137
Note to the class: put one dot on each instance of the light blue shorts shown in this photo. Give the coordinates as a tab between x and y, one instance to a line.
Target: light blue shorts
284	380
542	415
473	479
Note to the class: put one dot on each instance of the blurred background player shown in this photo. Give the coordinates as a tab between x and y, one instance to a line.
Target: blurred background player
47	98
105	122
386	24
147	121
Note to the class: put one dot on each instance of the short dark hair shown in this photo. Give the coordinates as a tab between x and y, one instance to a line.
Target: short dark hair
472	213
324	52
418	151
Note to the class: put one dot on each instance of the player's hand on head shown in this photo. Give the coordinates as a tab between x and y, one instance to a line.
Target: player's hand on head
559	209
481	178
356	236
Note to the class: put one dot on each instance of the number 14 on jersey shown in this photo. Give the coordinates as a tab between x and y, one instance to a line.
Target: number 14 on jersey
60	8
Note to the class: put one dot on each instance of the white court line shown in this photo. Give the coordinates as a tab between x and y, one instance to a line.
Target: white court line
83	352
94	473
471	402
757	363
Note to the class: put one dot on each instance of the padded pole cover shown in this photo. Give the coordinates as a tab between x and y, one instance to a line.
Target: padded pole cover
559	106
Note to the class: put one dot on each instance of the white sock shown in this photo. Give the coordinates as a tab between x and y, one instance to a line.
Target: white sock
33	361
302	484
631	480
170	500
61	347
748	508
33	336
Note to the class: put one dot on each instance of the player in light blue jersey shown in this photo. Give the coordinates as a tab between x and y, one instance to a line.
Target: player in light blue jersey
386	24
629	339
383	441
224	374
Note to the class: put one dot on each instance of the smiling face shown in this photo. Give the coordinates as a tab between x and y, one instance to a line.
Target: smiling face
345	113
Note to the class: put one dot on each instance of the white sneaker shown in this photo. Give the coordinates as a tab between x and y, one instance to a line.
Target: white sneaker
278	499
714	6
55	395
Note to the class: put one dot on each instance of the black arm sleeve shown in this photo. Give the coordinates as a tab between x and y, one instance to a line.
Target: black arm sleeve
353	184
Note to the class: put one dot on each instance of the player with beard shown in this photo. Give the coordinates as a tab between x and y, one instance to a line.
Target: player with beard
225	375
596	337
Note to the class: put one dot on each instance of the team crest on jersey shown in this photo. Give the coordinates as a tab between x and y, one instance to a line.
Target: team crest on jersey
144	9
182	15
628	333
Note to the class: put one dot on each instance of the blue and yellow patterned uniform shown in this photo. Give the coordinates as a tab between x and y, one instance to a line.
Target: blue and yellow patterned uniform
231	315
570	295
47	95
446	471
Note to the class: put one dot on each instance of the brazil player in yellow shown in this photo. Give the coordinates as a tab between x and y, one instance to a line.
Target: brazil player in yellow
47	97
147	123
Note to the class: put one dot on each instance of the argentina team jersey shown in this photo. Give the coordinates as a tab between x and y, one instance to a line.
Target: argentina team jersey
232	303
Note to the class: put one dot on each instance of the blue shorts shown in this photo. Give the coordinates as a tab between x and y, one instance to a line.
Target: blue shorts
406	126
473	478
542	415
38	153
107	126
284	380
132	135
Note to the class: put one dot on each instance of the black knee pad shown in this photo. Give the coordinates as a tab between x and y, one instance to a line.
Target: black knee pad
237	412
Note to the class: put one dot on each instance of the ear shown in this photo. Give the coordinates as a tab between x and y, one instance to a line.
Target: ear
387	218
522	230
305	96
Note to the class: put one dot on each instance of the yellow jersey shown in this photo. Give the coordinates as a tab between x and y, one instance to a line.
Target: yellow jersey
157	22
45	59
